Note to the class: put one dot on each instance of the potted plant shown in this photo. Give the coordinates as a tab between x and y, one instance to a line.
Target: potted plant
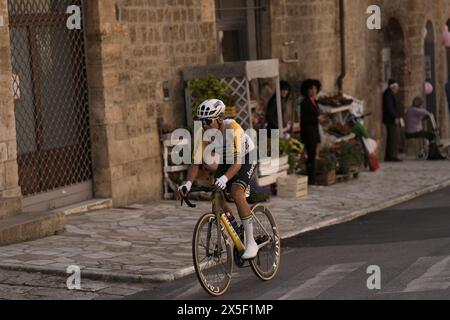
211	87
350	157
293	149
326	168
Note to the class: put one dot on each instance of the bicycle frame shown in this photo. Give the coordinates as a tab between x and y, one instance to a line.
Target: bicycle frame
218	200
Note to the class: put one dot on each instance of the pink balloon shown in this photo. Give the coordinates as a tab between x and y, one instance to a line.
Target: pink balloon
446	37
428	88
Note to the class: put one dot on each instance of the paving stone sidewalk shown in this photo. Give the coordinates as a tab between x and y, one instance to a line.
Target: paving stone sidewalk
152	242
16	285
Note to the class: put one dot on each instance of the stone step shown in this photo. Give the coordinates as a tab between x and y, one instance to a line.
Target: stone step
30	226
85	206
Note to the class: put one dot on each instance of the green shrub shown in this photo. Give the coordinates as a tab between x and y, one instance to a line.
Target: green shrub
292	148
209	87
327	162
350	155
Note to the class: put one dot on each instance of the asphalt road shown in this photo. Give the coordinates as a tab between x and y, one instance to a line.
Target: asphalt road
410	244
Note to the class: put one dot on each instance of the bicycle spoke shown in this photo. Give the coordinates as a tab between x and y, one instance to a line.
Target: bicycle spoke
266	265
257	220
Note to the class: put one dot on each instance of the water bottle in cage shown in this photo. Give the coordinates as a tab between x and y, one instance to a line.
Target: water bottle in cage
233	222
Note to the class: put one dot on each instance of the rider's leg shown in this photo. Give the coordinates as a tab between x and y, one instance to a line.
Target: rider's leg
245	212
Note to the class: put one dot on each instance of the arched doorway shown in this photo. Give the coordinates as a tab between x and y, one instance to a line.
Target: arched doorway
394	65
430	67
394	58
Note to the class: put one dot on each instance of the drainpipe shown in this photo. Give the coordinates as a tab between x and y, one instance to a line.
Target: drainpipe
340	80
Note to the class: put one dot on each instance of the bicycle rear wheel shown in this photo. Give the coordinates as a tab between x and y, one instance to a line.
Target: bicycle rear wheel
213	268
267	236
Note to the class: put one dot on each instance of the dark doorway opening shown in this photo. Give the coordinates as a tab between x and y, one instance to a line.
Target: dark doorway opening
394	58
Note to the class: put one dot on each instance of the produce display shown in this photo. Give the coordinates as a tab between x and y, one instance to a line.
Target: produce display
339	130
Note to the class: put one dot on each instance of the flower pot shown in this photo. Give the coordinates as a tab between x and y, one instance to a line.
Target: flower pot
326	179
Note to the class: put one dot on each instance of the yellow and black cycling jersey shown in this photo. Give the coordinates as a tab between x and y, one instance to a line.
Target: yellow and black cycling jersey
235	144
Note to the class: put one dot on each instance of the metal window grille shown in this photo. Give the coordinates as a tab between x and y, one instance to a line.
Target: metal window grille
50	95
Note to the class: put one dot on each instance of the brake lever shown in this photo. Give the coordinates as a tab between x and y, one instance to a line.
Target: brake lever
188	202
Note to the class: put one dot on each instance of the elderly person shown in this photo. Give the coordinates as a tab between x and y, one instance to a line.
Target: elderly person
414	117
309	123
414	129
391	119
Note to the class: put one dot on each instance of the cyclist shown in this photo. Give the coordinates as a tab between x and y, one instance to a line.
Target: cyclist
236	176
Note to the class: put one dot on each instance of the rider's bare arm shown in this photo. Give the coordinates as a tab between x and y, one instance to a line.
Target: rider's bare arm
234	169
192	173
191	176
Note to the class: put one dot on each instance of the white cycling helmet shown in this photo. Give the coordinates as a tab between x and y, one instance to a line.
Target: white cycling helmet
211	109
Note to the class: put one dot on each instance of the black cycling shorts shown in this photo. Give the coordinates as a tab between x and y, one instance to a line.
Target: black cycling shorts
242	178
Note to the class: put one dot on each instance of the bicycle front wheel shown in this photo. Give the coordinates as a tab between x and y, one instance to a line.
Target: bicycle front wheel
213	256
267	236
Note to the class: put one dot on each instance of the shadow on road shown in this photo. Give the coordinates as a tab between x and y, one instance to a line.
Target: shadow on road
389	226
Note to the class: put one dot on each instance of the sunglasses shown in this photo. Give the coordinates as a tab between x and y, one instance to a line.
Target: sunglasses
207	122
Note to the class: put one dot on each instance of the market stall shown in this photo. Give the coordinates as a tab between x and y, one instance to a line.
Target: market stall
343	150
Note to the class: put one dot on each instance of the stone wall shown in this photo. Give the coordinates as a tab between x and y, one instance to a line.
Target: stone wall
10	194
133	47
308	31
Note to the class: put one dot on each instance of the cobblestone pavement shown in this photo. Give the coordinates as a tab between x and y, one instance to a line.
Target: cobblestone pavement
153	241
16	285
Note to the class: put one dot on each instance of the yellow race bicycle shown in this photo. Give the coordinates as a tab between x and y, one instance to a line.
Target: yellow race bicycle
217	245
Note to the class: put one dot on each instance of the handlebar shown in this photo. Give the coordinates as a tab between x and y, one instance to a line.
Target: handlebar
185	199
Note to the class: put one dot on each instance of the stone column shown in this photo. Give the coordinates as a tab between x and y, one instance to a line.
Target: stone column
125	144
10	194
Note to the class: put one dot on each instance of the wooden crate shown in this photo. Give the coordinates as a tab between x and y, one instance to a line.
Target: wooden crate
272	179
269	165
352	174
328	179
292	186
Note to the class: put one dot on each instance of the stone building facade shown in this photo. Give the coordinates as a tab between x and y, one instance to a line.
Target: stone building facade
134	51
314	28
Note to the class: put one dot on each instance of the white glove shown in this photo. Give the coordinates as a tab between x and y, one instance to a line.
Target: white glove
221	183
187	186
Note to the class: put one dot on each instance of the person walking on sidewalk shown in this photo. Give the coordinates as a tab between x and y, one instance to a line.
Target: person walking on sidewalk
309	123
391	119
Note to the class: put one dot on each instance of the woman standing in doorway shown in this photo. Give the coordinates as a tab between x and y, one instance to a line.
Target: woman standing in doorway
309	123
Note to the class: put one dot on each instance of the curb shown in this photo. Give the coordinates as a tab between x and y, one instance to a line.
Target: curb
181	273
